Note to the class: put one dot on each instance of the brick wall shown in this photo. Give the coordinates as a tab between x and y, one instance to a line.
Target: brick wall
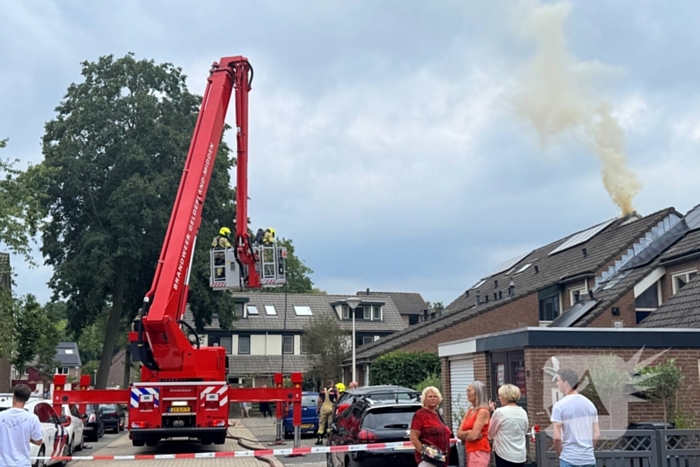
539	395
446	391
520	313
627	313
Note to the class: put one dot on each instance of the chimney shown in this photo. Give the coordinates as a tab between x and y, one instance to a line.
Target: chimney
478	297
585	252
511	288
537	269
367	290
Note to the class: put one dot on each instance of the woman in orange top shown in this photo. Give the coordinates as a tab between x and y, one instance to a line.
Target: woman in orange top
475	427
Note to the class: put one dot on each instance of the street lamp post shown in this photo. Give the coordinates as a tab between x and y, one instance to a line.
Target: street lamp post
353	302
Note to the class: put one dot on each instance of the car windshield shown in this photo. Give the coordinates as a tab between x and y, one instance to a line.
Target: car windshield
108	408
389	418
309	401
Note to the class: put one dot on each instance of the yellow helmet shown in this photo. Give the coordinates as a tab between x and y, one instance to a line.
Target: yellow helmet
340	387
224	231
272	231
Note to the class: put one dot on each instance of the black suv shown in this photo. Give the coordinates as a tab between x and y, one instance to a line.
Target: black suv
113	416
369	420
382	392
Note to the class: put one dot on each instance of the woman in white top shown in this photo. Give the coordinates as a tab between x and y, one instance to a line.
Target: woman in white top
508	429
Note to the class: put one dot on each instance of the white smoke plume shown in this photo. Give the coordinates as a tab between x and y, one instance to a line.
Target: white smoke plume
555	95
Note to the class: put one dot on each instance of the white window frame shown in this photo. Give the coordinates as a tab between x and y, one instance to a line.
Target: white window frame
685	273
367	312
346	312
303	310
302	350
658	296
582	292
252	310
376	308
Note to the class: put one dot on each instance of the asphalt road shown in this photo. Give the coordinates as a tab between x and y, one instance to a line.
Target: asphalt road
91	447
264	430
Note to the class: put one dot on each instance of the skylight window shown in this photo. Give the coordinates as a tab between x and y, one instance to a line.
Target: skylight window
481	282
253	310
582	237
504	266
69	351
303	311
525	267
270	310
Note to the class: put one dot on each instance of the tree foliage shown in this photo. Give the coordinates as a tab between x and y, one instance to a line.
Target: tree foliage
36	338
328	345
298	280
662	382
114	155
406	369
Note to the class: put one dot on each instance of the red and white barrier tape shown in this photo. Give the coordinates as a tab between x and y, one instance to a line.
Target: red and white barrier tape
401	445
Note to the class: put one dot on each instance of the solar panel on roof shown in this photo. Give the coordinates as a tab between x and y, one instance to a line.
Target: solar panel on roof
582	237
693	218
506	265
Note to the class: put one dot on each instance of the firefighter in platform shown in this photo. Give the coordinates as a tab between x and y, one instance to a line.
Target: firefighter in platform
222	240
269	236
326	400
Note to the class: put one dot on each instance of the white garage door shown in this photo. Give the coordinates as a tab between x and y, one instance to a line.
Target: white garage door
461	374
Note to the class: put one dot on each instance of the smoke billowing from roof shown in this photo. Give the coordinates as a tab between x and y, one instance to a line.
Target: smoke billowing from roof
555	96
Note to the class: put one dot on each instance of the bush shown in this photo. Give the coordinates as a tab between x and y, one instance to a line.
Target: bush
407	369
432	380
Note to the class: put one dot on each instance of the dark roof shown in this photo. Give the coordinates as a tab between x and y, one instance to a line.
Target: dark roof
690	244
408	303
319	304
561	267
241	365
680	311
67	354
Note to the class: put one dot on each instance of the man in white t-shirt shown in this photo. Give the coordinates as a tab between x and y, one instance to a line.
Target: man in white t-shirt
18	428
575	420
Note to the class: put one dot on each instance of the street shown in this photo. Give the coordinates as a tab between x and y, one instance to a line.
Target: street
264	430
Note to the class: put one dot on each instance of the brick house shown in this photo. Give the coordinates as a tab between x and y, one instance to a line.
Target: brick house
67	360
527	357
263	334
614	274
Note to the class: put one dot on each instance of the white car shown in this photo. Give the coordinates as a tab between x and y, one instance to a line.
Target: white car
70	418
55	434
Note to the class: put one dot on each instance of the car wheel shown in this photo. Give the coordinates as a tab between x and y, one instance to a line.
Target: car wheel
69	445
40	462
66	453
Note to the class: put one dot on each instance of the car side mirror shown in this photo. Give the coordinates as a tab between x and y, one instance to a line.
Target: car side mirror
334	428
63	419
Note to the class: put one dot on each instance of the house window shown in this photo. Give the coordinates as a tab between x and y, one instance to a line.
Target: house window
304	345
647	301
346	312
576	294
270	310
243	345
227	343
549	308
303	311
238	310
367	340
377	313
682	278
366	313
62	371
253	310
288	344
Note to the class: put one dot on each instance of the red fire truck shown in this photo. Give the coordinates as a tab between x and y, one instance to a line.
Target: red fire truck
183	390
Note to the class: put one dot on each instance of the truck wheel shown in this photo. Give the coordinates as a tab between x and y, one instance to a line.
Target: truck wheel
152	442
221	439
137	442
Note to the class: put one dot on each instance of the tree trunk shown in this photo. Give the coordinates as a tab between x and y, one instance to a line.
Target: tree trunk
127	366
111	333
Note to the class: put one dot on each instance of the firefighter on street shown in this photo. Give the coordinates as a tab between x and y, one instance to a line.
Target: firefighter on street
326	400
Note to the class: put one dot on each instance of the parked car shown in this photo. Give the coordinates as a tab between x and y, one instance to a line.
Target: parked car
70	418
368	421
380	392
94	426
113	417
309	415
55	435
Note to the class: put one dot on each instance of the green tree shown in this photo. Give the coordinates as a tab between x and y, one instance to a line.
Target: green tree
406	369
113	159
36	338
327	345
662	383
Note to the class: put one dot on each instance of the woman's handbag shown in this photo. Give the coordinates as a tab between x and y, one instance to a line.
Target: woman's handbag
433	455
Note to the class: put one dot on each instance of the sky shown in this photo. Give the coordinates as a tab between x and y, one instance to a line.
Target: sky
389	140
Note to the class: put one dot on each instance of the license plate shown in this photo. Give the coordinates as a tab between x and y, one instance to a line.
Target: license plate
179	409
307	425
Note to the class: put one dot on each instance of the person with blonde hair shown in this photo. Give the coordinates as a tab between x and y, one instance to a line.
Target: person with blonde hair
430	435
508	429
474	429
